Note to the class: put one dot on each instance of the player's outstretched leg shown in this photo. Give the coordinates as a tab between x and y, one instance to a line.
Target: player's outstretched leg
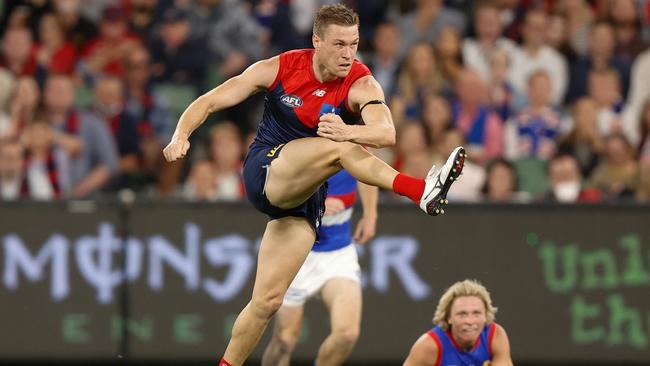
288	322
343	299
304	164
285	245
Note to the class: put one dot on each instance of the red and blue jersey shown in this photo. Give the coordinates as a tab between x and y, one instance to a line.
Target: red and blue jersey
335	230
450	353
296	99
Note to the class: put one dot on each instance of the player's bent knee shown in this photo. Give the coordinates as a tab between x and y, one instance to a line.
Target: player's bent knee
286	341
347	336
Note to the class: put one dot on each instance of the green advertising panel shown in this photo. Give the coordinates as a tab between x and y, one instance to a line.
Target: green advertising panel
165	281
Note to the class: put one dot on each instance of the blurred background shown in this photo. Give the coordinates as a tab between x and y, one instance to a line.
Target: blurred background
110	255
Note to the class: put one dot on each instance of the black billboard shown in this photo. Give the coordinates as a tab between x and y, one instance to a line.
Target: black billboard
165	281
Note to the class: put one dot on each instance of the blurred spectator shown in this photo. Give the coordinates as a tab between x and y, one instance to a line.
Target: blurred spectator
233	37
371	15
605	89
143	103
95	160
424	23
47	168
418	78
512	16
105	53
384	61
644	127
476	52
601	56
176	57
53	53
500	183
78	29
93	9
468	187
579	16
412	153
108	106
6	92
626	20
417	163
643	193
226	153
639	91
152	117
285	25
437	119
18	54
447	48
536	55
143	17
532	133
11	169
23	13
566	182
201	184
557	37
18	17
410	139
617	173
584	141
482	128
24	105
503	97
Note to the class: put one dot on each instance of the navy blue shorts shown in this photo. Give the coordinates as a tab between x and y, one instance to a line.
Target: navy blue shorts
256	165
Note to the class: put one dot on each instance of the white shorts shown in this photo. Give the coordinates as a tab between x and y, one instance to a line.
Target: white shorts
320	267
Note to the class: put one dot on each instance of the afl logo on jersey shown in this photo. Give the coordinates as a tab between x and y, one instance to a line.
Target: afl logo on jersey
291	100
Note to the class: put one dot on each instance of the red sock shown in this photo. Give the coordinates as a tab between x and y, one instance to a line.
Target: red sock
224	362
408	186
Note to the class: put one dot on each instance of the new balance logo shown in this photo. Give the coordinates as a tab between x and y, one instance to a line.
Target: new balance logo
319	92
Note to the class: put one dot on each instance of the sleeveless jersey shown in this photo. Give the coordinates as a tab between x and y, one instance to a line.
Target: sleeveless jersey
296	99
450	354
335	229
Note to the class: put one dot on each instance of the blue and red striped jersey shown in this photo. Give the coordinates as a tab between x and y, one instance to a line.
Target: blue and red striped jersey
449	353
335	230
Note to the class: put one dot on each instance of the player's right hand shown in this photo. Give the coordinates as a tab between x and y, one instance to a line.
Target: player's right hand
176	149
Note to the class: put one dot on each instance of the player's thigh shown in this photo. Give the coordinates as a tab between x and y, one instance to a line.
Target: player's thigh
302	166
288	322
284	247
343	299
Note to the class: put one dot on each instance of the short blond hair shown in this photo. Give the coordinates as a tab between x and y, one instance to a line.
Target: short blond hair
460	289
338	14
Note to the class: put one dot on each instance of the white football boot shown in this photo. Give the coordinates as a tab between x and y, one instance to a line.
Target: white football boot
438	182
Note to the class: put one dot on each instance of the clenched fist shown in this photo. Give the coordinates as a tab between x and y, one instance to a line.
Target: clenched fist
331	126
176	149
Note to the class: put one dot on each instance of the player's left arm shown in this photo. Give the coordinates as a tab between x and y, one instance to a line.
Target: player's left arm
367	225
500	348
378	129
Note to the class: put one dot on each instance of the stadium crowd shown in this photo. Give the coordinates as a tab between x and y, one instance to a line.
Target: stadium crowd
551	98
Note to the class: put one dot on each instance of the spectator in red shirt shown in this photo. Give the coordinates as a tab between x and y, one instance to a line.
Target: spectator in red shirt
18	54
79	30
105	53
54	54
